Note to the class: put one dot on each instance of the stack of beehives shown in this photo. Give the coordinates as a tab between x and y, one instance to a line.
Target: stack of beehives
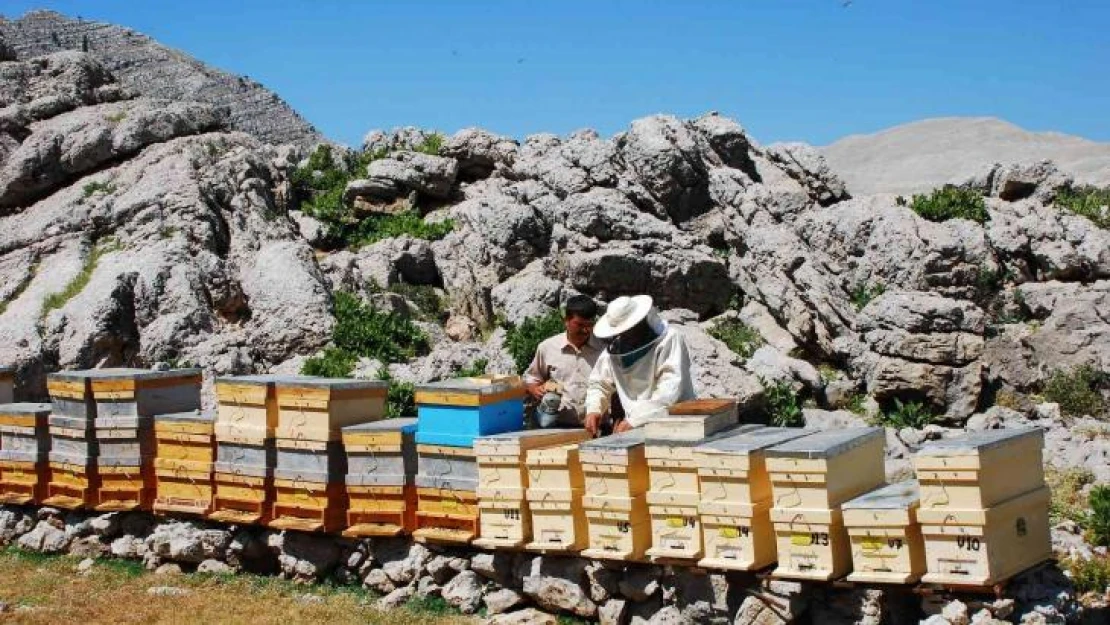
811	477
503	478
554	495
381	472
450	415
7	384
24	444
310	492
183	457
246	417
73	450
126	402
673	494
735	503
984	506
615	499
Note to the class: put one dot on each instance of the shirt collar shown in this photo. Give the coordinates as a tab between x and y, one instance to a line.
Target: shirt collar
593	343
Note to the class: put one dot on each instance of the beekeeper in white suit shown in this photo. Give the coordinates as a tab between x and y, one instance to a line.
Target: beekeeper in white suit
644	371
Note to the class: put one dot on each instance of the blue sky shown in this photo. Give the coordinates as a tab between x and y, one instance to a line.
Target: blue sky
810	70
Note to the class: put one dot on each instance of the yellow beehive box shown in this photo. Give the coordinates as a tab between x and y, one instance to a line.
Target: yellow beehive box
738	537
7	385
732	469
318	408
502	468
558	520
247	410
673	469
811	544
615	466
123	488
380	510
241	499
23	483
446	516
693	420
138	393
554	468
181	490
980	469
71	486
675	532
184	441
984	547
825	469
309	506
886	538
503	523
619	527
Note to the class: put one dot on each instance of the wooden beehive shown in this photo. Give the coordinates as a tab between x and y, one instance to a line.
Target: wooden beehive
446	515
825	469
317	409
125	396
886	538
738	536
185	453
693	420
241	499
381	468
987	546
24	446
71	396
7	384
123	487
380	510
448	467
615	466
980	469
732	470
247	410
811	544
554	495
616	480
455	412
71	486
309	506
619	527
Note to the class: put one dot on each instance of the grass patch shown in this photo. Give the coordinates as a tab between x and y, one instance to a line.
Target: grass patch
116	118
81	280
521	340
1068	502
911	414
1089	576
740	337
784	407
97	186
431	144
1098	521
856	403
423	295
363	331
1086	201
1077	390
951	202
863	294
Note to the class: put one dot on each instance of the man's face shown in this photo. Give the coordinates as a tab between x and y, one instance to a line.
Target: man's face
579	329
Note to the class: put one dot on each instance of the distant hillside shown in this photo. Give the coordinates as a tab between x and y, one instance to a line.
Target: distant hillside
156	71
926	154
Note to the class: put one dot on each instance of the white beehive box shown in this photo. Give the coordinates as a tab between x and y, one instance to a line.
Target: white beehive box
980	469
825	469
693	420
886	538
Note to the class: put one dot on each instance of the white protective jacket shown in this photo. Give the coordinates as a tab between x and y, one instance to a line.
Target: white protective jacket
649	386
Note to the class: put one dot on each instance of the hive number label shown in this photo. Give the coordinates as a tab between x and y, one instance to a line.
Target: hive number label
624	527
677	521
970	543
734	532
512	515
813	538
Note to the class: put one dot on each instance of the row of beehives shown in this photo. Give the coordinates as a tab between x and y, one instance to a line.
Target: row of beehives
282	451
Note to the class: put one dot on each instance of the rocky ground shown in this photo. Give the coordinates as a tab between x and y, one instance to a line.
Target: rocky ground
145	231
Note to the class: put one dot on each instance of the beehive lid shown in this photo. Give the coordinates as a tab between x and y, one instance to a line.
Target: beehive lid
706	406
298	381
826	444
406	424
25	408
125	373
900	496
976	442
473	386
746	442
191	416
616	442
732	431
254	380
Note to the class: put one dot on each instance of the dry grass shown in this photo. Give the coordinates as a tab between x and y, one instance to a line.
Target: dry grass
46	589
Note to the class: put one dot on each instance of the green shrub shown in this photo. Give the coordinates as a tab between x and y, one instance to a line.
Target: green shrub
521	341
1077	390
423	295
738	336
1087	201
335	362
864	293
1089	576
363	331
401	399
377	227
1068	502
784	407
1098	521
81	280
431	144
951	202
474	369
97	187
855	403
912	414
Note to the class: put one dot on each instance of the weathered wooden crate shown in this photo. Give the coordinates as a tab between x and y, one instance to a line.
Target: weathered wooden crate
693	420
7	384
443	466
984	547
381	453
243	499
619	527
24	415
615	466
71	396
255	460
501	459
309	506
22	482
322	462
811	544
247	410
825	469
504	523
732	469
886	538
381	510
24	433
737	536
71	449
318	409
673	469
181	490
446	516
123	486
554	468
980	469
71	486
455	412
134	445
558	520
184	440
124	396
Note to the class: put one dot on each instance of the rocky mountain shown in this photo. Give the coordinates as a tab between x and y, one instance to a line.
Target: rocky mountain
923	155
152	70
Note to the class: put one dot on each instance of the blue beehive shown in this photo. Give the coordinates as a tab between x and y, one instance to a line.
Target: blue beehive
455	412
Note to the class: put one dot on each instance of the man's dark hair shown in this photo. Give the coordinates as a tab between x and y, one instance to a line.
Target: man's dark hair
581	306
